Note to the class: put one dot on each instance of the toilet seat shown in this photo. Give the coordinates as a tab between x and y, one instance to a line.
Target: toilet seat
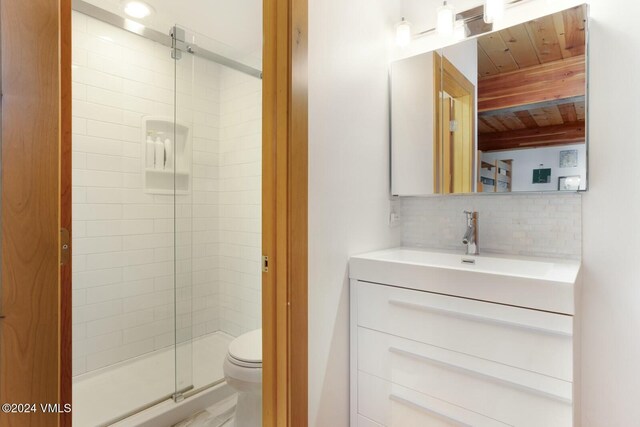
242	363
246	350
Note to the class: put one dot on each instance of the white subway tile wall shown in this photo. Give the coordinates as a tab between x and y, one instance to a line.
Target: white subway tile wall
240	202
125	248
524	224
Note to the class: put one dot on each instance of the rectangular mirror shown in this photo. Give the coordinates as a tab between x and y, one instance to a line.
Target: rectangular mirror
504	112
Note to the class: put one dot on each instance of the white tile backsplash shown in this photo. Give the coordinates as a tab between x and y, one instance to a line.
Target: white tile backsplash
522	224
128	244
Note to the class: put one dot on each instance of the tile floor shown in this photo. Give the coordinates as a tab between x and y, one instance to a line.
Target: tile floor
219	415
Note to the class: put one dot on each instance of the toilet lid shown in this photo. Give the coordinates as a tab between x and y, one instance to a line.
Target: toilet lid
247	347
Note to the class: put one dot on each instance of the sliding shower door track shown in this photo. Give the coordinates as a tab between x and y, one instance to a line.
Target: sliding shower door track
194	391
135	27
172	396
177	397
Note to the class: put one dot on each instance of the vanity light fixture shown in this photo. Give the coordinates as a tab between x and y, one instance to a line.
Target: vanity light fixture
460	30
403	33
493	10
137	9
446	20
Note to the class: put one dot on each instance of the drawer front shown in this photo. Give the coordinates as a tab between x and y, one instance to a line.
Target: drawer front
527	339
392	405
366	422
495	390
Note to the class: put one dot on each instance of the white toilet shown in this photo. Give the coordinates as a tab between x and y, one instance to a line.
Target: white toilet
243	372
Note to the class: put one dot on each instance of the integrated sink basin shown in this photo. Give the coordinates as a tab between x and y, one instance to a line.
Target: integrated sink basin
539	283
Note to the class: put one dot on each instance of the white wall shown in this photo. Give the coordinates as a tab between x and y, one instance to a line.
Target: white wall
464	56
526	160
412	111
611	208
349	48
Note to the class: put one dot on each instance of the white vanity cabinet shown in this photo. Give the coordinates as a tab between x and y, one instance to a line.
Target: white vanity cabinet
421	356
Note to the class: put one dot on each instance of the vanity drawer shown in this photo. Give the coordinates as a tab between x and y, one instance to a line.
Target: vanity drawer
392	405
528	339
501	392
366	422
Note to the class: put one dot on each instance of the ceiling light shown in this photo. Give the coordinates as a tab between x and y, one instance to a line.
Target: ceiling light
446	19
493	10
137	9
403	33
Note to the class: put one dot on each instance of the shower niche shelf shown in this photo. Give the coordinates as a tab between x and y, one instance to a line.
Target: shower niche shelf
166	156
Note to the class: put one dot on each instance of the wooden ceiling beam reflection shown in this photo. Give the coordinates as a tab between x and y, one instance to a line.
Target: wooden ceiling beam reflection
568	133
541	105
525	117
546	82
568	112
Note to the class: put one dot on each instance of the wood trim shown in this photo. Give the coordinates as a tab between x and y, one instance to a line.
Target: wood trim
463	91
546	82
284	192
298	210
437	125
66	373
454	81
31	130
269	126
453	153
568	133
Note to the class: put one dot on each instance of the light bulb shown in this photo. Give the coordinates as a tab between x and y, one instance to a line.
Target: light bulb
493	10
137	9
403	33
446	19
460	31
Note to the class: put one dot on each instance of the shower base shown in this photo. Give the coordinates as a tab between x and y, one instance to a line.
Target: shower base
104	396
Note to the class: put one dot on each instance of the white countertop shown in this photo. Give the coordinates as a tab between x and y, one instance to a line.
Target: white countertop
538	283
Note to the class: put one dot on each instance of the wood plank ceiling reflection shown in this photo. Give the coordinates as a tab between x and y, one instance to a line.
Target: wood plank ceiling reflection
554	40
547	39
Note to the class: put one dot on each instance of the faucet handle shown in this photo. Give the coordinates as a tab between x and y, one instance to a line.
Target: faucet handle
471	214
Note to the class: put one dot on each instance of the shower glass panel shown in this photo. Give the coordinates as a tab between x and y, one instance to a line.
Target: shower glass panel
218	223
125	211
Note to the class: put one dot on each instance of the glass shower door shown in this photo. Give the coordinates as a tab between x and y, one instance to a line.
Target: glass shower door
126	213
217	200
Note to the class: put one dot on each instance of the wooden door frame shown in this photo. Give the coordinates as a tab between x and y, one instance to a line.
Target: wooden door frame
285	151
451	80
66	185
284	223
35	348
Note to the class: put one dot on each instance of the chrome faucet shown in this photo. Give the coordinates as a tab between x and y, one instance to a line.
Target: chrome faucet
471	235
